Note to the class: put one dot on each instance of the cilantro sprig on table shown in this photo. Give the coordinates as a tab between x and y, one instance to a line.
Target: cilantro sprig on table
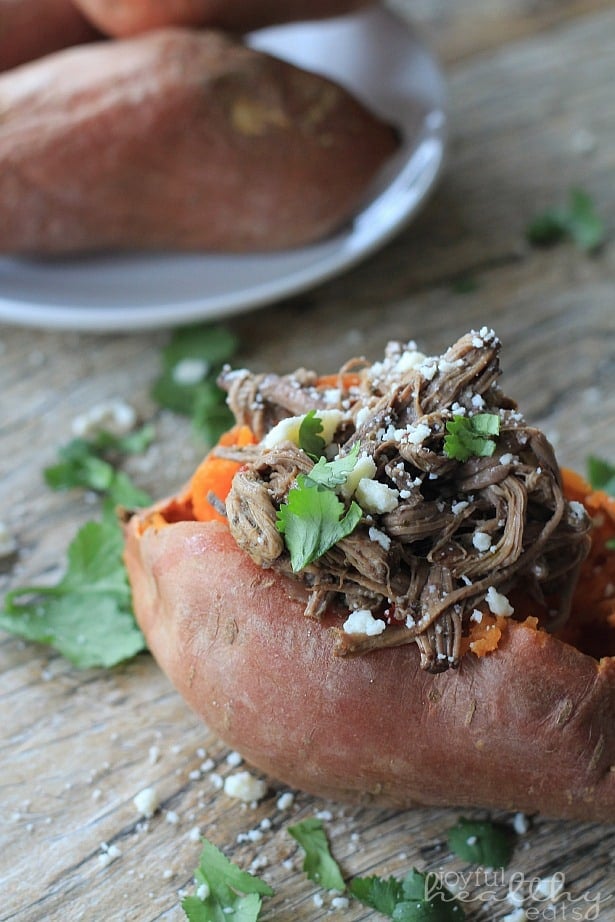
576	220
481	842
471	436
314	519
92	465
224	891
191	363
87	615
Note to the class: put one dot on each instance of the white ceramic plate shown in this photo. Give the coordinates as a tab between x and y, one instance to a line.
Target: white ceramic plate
373	54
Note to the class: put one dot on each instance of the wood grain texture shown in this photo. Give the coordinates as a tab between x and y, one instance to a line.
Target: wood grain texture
530	117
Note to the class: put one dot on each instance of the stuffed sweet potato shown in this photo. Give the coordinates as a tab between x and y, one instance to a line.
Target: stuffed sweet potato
178	140
130	17
378	587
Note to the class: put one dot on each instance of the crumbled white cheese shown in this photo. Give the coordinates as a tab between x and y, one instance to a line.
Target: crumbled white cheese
234	759
190	371
114	416
481	540
287	430
476	616
507	458
417	434
362	621
376	497
409	360
203	891
457	508
521	824
146	802
428	369
576	510
498	603
550	887
365	468
244	786
379	537
340	902
285	800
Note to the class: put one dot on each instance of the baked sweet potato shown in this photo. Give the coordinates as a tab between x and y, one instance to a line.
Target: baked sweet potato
178	140
30	29
526	721
130	17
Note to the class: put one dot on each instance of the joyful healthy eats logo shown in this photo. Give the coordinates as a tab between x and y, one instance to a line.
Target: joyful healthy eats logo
540	899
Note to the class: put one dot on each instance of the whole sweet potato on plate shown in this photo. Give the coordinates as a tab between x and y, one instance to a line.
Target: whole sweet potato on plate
179	140
32	28
129	17
495	691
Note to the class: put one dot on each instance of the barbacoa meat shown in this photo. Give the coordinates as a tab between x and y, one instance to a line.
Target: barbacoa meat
462	533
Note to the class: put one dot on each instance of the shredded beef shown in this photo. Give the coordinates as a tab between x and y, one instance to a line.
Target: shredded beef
458	529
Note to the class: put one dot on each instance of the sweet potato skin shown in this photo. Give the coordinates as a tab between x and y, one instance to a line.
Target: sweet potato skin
529	727
131	17
178	140
30	29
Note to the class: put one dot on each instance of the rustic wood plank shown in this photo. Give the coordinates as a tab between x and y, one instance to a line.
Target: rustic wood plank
77	747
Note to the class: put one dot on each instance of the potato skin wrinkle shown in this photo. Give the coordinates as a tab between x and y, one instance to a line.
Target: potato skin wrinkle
526	728
179	140
130	17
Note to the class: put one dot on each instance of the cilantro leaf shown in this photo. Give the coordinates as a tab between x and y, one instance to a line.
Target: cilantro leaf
379	893
191	363
313	520
87	615
87	463
480	842
309	440
226	887
601	474
416	898
576	220
319	864
471	436
334	473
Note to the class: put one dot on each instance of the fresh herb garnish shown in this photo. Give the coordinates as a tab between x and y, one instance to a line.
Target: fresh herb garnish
577	220
417	898
309	440
335	473
191	364
471	436
223	890
480	842
319	864
312	520
89	463
87	615
601	474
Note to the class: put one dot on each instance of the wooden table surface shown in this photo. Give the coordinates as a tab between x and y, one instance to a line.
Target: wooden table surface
532	115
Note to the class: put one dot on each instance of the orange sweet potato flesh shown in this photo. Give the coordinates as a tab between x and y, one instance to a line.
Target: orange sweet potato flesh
32	28
529	726
181	140
129	17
